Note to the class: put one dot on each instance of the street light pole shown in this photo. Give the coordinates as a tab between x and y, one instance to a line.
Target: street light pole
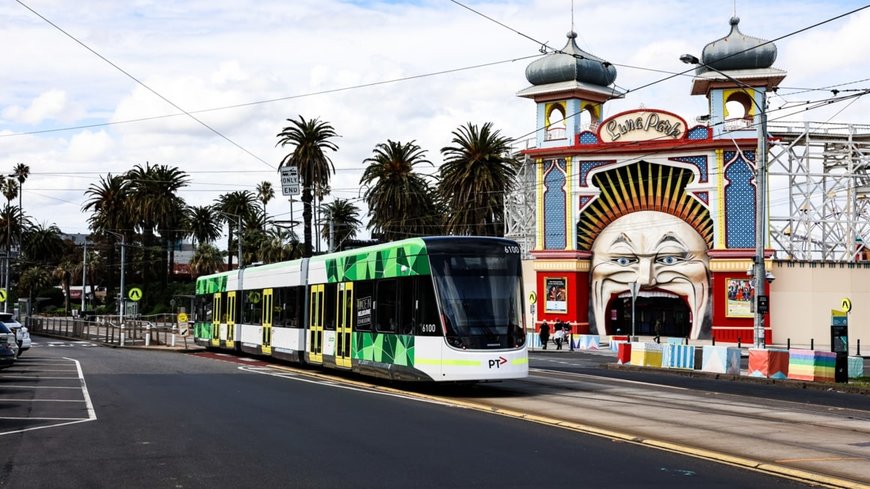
84	274
760	274
121	295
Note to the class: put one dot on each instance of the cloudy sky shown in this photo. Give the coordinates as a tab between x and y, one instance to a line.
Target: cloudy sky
81	104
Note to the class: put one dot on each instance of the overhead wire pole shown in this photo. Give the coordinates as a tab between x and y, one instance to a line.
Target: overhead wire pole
122	297
759	272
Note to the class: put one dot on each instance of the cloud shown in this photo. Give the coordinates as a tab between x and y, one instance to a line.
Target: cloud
49	105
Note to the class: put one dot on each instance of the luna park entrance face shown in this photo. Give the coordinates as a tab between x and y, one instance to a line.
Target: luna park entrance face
672	313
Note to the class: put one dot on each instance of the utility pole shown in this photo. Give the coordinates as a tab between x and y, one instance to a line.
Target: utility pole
84	274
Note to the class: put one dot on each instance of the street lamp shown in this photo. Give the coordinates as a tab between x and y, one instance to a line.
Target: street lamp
760	274
123	297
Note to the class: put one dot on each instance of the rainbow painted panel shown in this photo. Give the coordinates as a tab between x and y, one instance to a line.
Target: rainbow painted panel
811	365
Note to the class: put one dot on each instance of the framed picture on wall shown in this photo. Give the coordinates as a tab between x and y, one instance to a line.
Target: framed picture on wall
556	289
740	294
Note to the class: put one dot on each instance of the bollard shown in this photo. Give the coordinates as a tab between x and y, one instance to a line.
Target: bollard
859	348
173	340
147	335
738	343
812	343
788	344
570	340
714	340
122	335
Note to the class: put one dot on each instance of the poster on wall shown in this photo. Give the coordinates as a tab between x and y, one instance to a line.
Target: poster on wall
741	293
557	294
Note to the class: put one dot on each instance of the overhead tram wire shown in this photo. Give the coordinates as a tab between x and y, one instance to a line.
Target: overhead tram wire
144	85
278	99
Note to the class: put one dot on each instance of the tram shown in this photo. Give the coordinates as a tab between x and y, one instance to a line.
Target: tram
433	309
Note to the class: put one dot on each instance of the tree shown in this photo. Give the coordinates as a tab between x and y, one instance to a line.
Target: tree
235	208
155	204
21	173
207	259
478	171
400	200
341	219
309	140
108	203
265	193
33	279
204	224
63	272
43	245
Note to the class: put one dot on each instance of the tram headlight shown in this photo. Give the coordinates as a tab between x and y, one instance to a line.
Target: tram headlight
455	342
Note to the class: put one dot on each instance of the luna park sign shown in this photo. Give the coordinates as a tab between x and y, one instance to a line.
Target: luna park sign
642	125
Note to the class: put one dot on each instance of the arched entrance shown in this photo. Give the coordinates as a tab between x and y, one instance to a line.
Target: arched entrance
671	311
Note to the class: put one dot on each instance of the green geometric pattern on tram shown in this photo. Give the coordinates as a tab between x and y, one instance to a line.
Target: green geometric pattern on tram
211	285
384	348
398	259
202	330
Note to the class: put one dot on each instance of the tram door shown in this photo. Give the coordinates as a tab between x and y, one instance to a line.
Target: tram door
315	325
216	320
267	322
231	319
344	324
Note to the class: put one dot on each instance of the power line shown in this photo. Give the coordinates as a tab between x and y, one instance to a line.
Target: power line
143	84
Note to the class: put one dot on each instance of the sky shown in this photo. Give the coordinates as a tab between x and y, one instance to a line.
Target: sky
96	100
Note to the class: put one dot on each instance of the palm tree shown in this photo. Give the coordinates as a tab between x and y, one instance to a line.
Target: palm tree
108	204
279	245
400	200
33	280
204	224
63	272
309	140
21	173
235	208
265	193
43	245
478	171
341	220
207	259
155	203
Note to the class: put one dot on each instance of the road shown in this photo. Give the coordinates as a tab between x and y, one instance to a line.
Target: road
137	418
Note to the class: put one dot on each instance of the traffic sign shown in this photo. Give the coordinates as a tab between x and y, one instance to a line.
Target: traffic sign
846	305
2	295
182	317
135	294
290	181
533	297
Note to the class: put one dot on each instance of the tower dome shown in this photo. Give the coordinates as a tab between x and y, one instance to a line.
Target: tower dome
571	64
737	51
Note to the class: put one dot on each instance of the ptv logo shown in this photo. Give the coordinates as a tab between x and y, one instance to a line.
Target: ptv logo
497	362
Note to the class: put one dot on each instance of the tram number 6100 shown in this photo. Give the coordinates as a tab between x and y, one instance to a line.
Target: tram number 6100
427	328
509	249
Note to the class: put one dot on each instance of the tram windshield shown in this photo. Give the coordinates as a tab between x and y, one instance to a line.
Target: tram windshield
481	299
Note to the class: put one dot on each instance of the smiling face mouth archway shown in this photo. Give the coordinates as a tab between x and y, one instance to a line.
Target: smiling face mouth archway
664	255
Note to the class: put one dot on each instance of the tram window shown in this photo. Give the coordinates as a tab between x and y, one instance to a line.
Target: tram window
233	314
406	305
253	306
297	303
385	305
279	309
329	307
203	309
363	307
427	309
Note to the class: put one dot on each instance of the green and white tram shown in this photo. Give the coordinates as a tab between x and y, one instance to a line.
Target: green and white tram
422	309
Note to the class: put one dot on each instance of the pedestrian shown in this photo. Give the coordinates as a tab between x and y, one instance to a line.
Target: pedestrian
658	330
545	334
559	335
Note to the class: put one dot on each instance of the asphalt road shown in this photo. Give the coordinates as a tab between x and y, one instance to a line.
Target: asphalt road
133	418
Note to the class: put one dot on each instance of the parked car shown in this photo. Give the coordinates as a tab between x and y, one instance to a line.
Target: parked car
22	336
8	346
7	355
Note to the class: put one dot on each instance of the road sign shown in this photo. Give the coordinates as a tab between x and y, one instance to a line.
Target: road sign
2	295
290	181
135	294
533	297
184	330
846	305
182	317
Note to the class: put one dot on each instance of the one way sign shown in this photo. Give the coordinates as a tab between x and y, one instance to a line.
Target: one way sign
290	181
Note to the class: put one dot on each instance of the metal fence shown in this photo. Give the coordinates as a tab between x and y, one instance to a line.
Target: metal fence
156	330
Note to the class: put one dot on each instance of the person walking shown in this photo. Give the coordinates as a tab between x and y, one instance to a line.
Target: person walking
559	335
545	334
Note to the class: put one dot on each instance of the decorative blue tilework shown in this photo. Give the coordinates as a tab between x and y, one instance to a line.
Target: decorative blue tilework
698	161
587	166
739	201
587	137
698	132
555	237
584	199
703	196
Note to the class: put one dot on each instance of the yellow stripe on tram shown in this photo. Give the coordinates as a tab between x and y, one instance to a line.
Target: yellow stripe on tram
519	361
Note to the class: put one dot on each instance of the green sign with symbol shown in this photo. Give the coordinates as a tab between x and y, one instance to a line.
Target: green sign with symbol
2	295
135	294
